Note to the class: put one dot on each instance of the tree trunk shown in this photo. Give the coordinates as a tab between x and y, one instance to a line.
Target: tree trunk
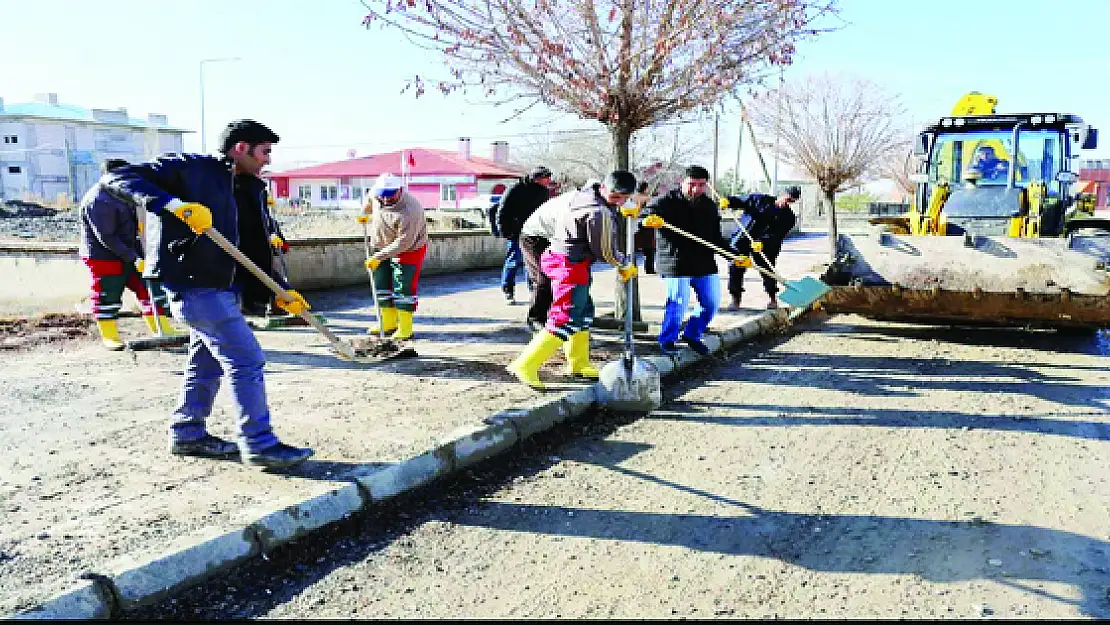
830	204
621	137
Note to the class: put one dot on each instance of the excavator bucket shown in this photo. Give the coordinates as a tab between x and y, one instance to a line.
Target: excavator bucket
979	280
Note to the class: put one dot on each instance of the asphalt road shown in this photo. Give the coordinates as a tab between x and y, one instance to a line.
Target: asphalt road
851	469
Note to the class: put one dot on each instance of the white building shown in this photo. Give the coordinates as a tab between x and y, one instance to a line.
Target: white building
52	152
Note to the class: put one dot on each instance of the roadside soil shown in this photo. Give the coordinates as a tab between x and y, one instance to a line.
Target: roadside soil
853	469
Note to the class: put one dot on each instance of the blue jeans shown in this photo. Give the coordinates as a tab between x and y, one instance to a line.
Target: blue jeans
220	341
708	292
514	262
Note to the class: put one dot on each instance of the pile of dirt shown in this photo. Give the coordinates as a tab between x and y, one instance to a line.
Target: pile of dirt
18	208
22	332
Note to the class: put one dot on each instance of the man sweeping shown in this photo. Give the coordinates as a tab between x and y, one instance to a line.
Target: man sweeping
586	232
399	238
772	220
111	250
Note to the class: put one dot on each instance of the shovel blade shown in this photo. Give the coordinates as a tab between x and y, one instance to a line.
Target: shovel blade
802	293
635	389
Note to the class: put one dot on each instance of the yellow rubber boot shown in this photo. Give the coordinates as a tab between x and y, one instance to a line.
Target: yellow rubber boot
163	323
526	367
404	326
387	323
577	350
167	329
150	324
109	334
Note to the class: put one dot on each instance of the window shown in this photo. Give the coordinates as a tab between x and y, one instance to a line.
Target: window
328	192
447	193
304	192
15	169
356	193
11	139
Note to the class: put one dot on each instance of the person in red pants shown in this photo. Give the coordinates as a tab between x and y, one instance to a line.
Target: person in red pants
587	232
111	250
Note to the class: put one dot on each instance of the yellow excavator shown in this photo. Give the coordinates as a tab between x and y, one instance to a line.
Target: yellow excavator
996	234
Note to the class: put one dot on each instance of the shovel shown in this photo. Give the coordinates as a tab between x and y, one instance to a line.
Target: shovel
341	348
630	384
387	347
797	293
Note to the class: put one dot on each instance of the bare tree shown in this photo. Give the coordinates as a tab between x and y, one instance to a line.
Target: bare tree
842	131
899	168
654	153
629	64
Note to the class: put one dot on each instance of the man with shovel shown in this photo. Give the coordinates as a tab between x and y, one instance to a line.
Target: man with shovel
110	248
586	232
771	221
685	264
399	234
186	195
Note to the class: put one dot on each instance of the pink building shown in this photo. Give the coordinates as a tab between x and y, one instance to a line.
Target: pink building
438	178
1094	177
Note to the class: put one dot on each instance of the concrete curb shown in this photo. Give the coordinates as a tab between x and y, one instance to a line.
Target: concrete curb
130	584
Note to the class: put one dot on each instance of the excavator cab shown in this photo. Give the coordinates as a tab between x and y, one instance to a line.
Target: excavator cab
995	235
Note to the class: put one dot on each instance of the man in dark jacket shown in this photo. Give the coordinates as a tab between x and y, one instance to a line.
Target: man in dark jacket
517	205
771	220
185	195
684	263
110	249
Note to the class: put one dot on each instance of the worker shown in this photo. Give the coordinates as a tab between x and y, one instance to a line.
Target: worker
535	237
587	232
771	220
399	240
516	206
186	195
685	264
986	163
110	248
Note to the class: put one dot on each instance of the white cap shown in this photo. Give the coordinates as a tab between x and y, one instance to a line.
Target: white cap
386	182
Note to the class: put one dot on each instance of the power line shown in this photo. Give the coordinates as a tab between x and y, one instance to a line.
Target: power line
479	137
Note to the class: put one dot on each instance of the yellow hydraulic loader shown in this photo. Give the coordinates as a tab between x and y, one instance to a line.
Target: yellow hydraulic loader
996	234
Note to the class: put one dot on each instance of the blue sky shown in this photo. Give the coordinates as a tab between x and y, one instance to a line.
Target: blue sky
325	84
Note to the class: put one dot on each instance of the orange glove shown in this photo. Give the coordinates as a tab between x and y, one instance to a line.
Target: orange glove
372	263
140	265
196	216
757	246
653	221
722	202
363	219
630	211
742	261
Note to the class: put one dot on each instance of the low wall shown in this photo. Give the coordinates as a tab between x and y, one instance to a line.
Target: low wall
41	277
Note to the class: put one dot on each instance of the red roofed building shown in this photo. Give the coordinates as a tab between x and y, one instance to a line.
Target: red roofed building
438	178
1094	178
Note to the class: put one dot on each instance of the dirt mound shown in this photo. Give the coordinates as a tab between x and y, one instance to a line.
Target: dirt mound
19	208
20	332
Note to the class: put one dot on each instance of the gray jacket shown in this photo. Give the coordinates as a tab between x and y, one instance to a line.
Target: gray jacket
588	231
109	227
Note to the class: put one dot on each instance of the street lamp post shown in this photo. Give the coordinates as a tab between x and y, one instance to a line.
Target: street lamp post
203	142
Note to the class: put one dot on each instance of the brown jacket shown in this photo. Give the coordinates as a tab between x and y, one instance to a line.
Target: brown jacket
396	229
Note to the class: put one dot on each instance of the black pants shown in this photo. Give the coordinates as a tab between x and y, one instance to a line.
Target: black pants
540	300
649	259
736	274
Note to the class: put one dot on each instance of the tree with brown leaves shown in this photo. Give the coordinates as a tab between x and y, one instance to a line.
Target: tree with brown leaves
842	132
629	64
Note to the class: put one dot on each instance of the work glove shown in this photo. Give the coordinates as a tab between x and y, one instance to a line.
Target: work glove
196	216
139	265
630	211
722	202
296	305
363	219
742	261
653	221
757	246
269	201
278	243
627	272
372	263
